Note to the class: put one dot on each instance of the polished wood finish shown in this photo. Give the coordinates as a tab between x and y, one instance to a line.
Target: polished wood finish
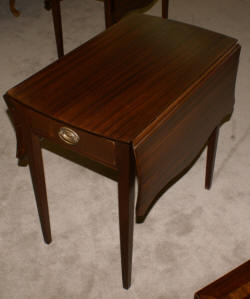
94	147
141	89
126	196
158	160
234	285
38	180
211	154
151	108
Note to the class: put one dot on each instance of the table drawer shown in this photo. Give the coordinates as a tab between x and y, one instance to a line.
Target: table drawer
95	147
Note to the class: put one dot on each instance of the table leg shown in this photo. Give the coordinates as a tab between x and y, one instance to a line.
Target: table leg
13	9
38	180
126	198
57	20
47	4
165	5
211	154
108	13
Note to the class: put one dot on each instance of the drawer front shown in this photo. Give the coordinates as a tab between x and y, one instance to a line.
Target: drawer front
94	147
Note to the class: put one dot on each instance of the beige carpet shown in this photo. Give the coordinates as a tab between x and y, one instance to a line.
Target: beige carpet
190	238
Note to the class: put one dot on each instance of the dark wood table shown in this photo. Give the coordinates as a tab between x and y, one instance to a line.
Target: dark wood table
233	285
143	98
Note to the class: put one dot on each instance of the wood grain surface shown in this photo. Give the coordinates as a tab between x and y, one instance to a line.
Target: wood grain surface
121	82
179	139
233	285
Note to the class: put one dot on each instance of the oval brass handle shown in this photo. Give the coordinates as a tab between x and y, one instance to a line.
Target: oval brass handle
68	135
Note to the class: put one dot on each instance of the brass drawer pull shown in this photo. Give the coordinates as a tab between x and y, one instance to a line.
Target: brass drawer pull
68	135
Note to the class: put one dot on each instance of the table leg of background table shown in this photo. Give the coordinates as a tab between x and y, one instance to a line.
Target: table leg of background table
38	180
165	5
108	13
211	154
13	9
57	20
126	196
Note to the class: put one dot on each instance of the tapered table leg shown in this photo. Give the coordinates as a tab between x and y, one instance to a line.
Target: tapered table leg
108	13
165	5
57	20
38	180
211	154
126	183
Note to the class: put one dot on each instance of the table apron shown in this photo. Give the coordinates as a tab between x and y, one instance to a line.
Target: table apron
97	148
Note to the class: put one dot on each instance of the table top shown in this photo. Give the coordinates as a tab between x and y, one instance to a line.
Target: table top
121	83
235	285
